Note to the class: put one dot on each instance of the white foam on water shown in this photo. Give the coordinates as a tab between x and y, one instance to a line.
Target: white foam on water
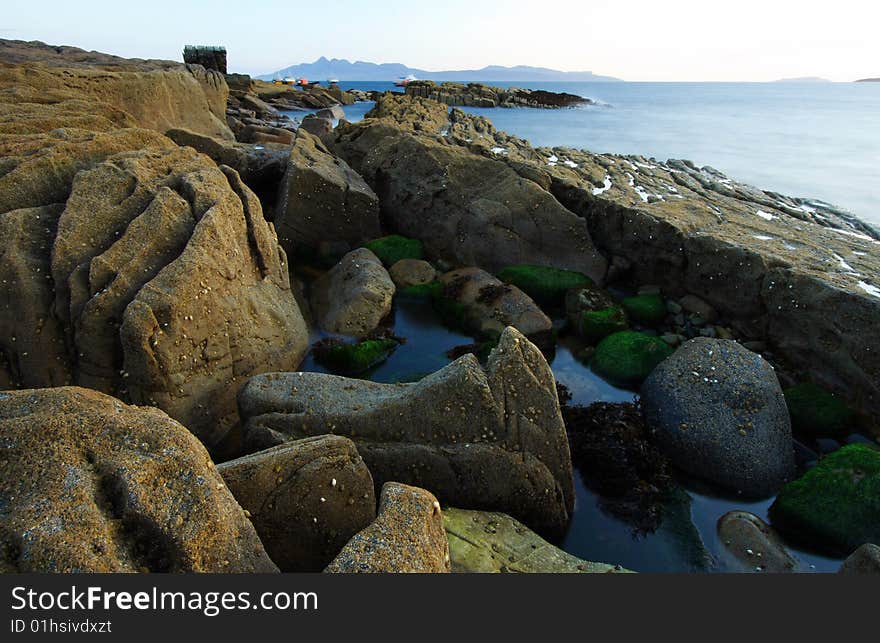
765	215
870	289
605	187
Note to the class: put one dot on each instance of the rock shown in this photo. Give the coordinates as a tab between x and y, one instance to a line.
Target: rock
546	285
259	133
406	537
333	113
412	272
627	358
485	542
262	108
593	314
718	412
864	560
492	440
417	114
306	499
696	306
353	359
354	296
90	484
485	306
323	200
479	95
835	506
467	209
394	248
753	543
649	309
817	412
317	126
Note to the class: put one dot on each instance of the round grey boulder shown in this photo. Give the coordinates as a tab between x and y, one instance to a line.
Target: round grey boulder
718	411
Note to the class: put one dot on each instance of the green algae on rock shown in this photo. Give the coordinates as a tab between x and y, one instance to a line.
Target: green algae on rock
544	284
628	357
817	412
596	325
836	505
395	247
353	359
647	309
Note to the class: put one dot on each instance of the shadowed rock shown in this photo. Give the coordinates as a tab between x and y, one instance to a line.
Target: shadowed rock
490	439
306	499
88	484
406	537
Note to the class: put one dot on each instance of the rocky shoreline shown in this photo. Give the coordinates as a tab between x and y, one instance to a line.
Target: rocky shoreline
479	95
175	246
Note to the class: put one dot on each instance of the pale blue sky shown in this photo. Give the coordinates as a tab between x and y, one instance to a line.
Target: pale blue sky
634	40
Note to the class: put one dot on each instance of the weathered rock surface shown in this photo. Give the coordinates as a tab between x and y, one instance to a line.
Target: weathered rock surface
88	484
490	306
323	200
753	544
417	114
485	542
306	499
718	411
466	209
354	296
864	560
490	440
406	537
479	95
412	272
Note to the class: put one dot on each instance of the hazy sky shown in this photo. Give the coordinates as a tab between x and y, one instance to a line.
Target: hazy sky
630	39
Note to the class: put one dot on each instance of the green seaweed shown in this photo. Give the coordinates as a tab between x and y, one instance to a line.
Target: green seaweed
395	247
627	358
646	309
834	506
353	359
545	285
596	325
817	412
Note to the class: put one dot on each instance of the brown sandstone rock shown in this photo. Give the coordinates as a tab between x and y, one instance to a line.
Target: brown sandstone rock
99	486
412	272
406	537
306	499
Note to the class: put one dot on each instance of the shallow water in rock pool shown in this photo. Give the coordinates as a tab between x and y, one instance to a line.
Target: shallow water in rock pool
685	541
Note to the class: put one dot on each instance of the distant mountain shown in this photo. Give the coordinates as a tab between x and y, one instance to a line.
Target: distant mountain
868	80
323	69
803	79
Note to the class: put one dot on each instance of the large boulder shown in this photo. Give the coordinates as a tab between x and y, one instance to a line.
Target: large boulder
488	542
306	498
88	484
467	209
323	199
492	440
406	537
354	296
487	306
718	411
864	560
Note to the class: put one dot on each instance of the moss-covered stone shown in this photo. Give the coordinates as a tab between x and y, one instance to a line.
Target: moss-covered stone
546	285
596	325
834	506
817	412
628	357
421	291
393	248
646	309
353	359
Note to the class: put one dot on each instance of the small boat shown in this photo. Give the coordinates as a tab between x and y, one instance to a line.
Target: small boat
284	81
332	81
403	81
302	82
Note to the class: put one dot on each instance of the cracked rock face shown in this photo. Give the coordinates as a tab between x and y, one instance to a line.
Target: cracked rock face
492	440
89	484
306	498
406	537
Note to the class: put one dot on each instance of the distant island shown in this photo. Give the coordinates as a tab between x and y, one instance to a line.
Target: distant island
868	80
323	68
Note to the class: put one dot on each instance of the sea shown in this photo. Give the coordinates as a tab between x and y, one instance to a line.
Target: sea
814	140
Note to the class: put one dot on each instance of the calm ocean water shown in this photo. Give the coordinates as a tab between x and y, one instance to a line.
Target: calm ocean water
816	140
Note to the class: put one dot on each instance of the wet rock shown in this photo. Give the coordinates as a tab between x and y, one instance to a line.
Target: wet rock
412	272
648	309
753	543
334	113
354	296
546	285
93	485
594	314
323	200
864	560
486	542
490	440
316	125
696	306
406	537
817	412
835	505
306	499
394	248
627	358
717	410
353	358
485	306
